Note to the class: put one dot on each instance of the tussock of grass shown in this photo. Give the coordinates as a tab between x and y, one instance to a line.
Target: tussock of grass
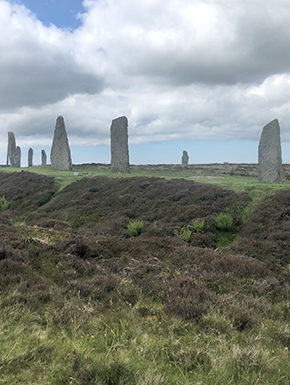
35	234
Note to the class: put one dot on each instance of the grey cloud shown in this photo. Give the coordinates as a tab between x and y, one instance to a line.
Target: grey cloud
257	62
181	88
37	84
247	44
38	65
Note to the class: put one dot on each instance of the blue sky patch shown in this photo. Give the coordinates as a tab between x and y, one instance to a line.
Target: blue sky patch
61	13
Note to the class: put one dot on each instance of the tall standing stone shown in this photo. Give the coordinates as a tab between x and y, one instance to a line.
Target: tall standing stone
30	157
185	158
270	157
17	157
43	158
13	152
11	148
60	156
119	146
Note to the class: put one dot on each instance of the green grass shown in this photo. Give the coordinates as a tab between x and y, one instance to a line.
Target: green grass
237	183
66	177
122	347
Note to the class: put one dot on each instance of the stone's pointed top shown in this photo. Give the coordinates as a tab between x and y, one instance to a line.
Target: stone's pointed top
121	121
121	118
271	130
273	123
11	134
59	122
59	119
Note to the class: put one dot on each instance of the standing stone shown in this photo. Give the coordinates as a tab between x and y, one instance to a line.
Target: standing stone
11	148
184	159
13	152
17	157
119	146
30	157
270	158
60	156
43	158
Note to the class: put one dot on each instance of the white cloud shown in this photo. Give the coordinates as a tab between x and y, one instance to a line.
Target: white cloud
37	63
182	42
178	69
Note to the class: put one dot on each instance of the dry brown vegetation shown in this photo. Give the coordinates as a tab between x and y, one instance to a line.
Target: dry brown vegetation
100	262
266	235
107	205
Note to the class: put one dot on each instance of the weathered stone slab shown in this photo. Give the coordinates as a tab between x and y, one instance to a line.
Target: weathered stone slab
185	158
119	146
11	148
30	157
60	156
43	158
270	155
13	152
17	157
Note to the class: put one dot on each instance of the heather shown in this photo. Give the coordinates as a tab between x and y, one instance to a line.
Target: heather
84	301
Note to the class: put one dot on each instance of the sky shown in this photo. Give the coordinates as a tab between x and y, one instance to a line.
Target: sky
203	76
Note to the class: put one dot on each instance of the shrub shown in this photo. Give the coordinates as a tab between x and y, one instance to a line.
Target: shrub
3	203
197	225
187	299
135	228
183	233
224	222
206	240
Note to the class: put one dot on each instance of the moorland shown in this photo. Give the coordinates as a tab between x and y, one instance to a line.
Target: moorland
157	277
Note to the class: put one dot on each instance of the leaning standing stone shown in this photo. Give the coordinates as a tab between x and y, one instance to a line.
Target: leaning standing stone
119	146
270	158
43	158
185	158
60	156
30	157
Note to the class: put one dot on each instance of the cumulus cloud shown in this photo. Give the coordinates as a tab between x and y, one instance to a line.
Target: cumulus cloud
37	64
183	42
178	69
